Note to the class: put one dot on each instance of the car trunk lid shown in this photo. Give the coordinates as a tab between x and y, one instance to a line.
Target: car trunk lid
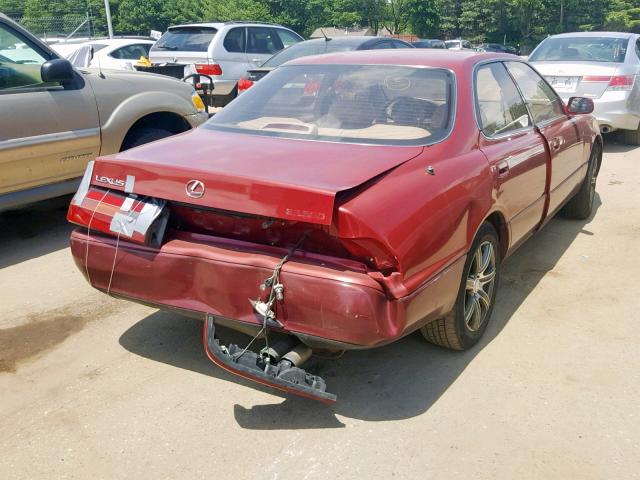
288	179
572	79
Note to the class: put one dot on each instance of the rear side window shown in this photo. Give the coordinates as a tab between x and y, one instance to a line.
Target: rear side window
186	39
131	52
544	104
500	107
381	45
236	40
287	38
263	40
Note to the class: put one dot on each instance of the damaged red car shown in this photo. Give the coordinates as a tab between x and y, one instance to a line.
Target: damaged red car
342	203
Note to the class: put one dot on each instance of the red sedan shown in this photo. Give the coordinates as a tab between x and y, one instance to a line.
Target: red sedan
344	202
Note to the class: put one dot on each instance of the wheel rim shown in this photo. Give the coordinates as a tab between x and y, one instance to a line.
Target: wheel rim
593	178
479	286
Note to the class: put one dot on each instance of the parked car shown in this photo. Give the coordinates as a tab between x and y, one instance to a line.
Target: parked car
55	119
353	197
319	46
433	43
116	53
602	66
224	51
458	44
497	48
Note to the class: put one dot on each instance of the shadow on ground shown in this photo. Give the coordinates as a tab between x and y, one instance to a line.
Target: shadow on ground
33	231
395	382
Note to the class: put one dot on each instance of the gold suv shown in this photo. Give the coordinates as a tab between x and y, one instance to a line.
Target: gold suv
54	119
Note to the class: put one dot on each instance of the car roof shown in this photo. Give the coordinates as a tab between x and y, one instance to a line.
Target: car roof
349	40
455	60
594	34
219	25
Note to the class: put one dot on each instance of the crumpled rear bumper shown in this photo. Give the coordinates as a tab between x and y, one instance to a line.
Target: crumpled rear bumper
330	304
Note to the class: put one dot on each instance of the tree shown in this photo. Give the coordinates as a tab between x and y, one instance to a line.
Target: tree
424	17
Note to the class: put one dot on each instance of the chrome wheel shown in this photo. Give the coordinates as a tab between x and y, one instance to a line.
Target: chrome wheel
479	286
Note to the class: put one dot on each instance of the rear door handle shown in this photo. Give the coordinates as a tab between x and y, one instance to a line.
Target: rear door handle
503	168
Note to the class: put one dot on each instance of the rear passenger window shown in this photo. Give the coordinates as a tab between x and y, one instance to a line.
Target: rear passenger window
263	40
500	106
235	41
383	44
544	104
287	38
131	52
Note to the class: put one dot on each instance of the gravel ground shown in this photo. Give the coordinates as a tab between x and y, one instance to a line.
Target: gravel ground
96	387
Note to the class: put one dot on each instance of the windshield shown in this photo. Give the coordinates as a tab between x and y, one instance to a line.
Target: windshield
381	104
589	49
186	39
307	48
453	43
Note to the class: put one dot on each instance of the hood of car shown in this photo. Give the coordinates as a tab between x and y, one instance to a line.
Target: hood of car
275	177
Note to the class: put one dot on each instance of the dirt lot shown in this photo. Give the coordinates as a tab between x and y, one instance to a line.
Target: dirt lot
96	387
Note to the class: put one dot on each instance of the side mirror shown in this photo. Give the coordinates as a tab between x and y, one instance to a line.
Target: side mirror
56	70
579	105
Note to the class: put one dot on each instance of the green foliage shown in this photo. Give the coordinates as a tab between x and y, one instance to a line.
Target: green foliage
518	21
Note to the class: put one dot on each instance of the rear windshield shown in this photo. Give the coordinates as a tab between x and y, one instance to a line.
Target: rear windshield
379	104
308	48
186	39
588	49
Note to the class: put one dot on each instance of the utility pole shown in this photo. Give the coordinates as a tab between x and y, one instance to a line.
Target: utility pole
107	10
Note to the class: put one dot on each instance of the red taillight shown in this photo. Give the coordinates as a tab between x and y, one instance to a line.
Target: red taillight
244	84
208	68
137	219
621	82
595	78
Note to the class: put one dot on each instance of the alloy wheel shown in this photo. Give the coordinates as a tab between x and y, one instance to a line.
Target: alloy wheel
479	286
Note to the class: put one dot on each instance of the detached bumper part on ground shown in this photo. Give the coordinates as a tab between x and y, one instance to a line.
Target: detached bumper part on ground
284	375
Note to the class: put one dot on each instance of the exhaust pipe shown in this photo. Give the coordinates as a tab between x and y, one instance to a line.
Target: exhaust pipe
605	128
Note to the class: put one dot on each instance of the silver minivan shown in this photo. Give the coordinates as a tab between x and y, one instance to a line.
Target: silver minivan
224	51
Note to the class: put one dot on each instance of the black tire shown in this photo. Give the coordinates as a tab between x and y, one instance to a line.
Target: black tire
581	204
456	331
631	137
140	136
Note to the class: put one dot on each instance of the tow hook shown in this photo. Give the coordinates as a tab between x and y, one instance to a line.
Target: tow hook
277	366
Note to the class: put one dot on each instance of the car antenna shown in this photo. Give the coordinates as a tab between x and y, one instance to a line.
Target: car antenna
326	39
100	74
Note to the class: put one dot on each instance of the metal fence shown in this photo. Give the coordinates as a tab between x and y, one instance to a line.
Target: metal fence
56	28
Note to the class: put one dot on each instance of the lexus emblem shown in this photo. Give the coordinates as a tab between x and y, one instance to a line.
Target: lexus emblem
194	188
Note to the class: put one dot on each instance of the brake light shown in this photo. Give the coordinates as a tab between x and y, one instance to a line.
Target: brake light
595	78
139	219
208	68
244	84
621	82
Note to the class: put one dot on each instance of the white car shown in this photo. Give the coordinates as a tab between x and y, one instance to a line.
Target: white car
603	66
223	51
458	44
114	53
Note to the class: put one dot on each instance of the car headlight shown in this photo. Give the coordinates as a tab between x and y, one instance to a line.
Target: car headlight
197	102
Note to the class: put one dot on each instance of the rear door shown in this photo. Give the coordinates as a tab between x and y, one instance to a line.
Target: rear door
566	147
514	148
262	43
234	62
48	132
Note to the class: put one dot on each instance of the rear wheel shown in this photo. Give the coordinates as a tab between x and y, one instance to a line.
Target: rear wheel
465	324
140	136
581	204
